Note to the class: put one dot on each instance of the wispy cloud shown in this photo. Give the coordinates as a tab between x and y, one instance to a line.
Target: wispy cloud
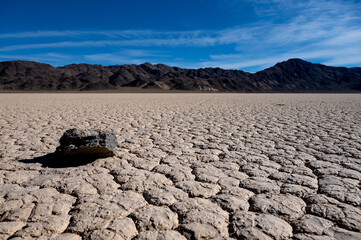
242	62
114	58
173	39
78	33
37	34
51	58
335	57
325	31
127	56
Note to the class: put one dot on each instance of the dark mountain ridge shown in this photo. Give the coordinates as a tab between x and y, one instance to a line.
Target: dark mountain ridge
293	75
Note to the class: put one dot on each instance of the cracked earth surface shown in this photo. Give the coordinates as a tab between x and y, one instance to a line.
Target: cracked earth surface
188	166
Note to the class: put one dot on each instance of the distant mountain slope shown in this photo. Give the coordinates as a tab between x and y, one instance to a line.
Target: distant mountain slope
294	75
298	75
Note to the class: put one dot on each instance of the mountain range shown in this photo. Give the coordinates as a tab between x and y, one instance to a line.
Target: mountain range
293	75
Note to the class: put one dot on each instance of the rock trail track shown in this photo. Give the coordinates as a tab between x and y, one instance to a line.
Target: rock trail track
188	166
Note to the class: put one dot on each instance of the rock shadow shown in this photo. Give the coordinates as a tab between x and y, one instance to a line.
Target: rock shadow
54	160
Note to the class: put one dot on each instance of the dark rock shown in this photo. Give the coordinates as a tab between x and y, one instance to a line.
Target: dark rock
87	143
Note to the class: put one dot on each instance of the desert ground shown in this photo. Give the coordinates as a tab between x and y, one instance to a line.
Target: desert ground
187	166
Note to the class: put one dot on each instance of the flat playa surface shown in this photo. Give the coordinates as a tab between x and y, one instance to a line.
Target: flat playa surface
188	166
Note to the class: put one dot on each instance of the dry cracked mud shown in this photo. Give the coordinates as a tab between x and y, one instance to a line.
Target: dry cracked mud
188	166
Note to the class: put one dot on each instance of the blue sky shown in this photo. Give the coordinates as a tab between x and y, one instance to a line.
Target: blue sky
232	34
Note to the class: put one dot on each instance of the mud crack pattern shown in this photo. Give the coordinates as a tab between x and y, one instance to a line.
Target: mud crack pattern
188	166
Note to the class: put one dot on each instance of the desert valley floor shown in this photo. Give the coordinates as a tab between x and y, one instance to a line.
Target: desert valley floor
188	166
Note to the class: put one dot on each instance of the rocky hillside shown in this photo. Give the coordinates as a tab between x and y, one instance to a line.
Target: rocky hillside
294	75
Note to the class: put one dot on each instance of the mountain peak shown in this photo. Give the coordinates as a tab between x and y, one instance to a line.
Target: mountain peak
293	61
297	60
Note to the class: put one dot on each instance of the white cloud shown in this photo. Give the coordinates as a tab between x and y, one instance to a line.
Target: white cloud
174	39
243	63
51	58
113	58
127	56
348	37
75	33
325	31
